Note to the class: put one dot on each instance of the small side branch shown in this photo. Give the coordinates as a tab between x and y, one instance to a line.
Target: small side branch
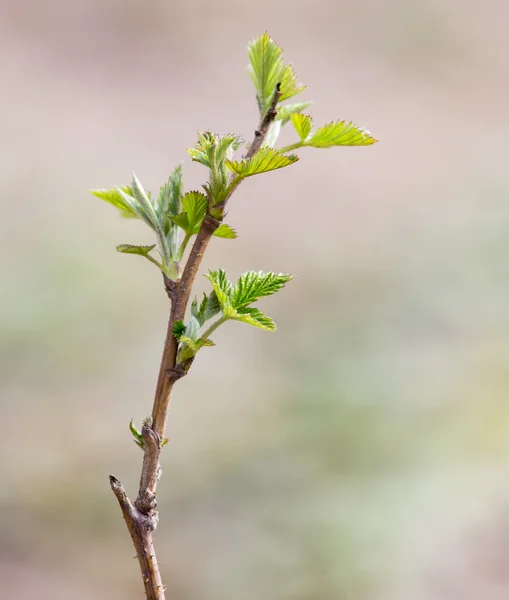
140	528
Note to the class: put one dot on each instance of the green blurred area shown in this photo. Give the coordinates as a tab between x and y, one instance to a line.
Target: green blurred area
361	452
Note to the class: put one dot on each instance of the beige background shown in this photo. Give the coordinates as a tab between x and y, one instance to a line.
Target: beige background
361	452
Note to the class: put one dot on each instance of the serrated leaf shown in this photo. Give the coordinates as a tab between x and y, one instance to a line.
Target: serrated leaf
211	308
192	329
340	133
225	231
254	285
284	112
255	317
203	149
144	202
226	145
208	308
131	249
222	287
115	198
290	85
168	201
267	69
266	159
181	221
196	310
178	329
194	204
302	124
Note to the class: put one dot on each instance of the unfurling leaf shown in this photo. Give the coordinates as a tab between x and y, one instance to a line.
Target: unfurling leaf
254	285
211	149
144	203
290	85
137	437
226	145
202	150
168	201
266	159
284	112
340	133
302	124
212	307
267	69
140	251
114	197
130	249
273	133
194	209
222	287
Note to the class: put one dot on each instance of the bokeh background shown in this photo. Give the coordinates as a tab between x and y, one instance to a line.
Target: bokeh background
361	452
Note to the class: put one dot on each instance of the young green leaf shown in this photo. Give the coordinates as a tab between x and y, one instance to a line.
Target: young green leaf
131	249
211	308
141	251
266	159
284	112
168	201
208	308
302	124
267	69
144	202
204	147
273	133
253	316
226	145
137	437
340	133
254	285
194	206
198	311
192	329
290	85
222	287
225	231
114	197
266	65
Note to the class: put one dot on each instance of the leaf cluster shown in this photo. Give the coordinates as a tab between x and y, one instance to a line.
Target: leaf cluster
167	214
175	216
233	302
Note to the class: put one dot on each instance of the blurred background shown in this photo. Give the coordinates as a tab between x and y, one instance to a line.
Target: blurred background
361	452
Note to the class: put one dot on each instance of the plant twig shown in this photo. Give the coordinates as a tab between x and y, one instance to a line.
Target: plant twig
141	516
